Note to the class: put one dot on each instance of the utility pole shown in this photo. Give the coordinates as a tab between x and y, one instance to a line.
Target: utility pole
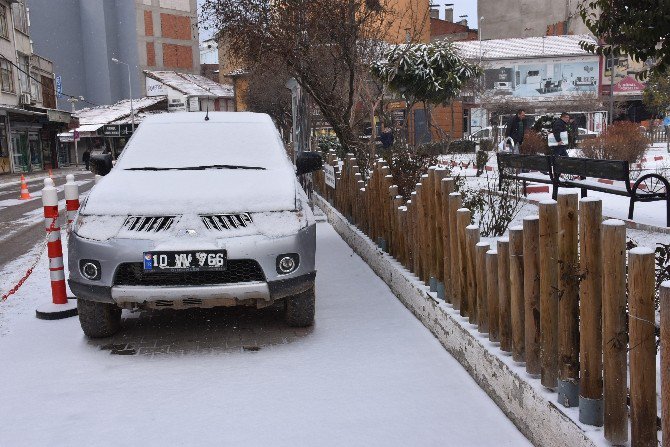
75	134
611	105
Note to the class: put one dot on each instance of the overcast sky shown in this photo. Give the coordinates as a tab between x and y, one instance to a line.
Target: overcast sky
461	7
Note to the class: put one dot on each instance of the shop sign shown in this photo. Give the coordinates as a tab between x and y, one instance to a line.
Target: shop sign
117	130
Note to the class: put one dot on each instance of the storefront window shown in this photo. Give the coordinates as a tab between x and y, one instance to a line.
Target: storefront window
35	150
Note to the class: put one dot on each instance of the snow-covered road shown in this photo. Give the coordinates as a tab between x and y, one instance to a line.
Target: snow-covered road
367	374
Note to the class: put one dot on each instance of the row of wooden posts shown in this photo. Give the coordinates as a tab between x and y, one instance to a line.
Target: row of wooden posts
560	294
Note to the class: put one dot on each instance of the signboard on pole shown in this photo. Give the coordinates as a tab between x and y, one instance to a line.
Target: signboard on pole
75	135
59	86
329	175
117	130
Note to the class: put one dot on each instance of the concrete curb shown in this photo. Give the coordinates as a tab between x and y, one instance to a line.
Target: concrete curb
527	406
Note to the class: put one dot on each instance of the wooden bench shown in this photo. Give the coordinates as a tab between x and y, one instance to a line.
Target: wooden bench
524	168
569	171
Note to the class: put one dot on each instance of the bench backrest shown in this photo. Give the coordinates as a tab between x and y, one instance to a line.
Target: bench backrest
525	162
588	167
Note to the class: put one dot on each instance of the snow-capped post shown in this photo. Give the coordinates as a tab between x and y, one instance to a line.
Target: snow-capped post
590	312
463	217
412	217
71	198
517	312
492	292
59	307
425	229
665	362
549	292
418	234
568	305
504	321
447	187
482	293
472	239
614	332
455	202
531	292
431	227
642	354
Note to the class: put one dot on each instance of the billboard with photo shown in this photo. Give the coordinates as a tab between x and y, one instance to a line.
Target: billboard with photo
541	78
625	71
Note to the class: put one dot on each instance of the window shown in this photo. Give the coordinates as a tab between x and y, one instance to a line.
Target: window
24	70
6	76
4	32
20	16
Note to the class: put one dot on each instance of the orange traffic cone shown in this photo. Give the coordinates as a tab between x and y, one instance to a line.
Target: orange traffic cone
25	194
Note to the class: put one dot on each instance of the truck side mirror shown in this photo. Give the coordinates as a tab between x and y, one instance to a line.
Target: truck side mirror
307	162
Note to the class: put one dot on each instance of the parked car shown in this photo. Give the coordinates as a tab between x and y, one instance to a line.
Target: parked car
487	133
196	213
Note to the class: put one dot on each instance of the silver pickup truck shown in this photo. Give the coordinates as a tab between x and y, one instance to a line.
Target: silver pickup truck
196	213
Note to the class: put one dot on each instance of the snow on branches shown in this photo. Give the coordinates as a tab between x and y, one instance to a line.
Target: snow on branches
433	72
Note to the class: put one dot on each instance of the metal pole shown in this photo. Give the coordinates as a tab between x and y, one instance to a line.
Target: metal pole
611	105
130	91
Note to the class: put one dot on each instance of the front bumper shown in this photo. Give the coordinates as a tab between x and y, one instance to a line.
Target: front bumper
111	254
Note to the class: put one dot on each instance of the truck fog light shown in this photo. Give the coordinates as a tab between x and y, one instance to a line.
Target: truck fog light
287	263
90	269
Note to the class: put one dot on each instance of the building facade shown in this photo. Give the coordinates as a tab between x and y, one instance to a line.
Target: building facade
82	36
29	121
504	19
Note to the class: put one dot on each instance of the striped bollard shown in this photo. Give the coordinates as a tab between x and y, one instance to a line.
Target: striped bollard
71	199
59	307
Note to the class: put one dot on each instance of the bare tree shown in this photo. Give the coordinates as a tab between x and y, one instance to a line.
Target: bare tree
327	45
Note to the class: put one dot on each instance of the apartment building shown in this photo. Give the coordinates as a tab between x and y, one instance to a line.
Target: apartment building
82	37
28	119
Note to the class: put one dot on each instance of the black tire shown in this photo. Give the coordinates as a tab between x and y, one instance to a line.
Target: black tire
300	308
99	320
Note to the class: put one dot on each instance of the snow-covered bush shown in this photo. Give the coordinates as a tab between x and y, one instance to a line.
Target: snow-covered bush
462	146
486	145
621	141
327	143
480	161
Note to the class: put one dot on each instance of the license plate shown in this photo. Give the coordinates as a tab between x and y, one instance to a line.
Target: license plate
185	261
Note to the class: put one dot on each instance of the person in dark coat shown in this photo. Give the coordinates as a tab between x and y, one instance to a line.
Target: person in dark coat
86	158
561	125
386	137
515	130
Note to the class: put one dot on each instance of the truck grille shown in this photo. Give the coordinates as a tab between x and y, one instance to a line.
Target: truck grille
222	222
149	224
237	271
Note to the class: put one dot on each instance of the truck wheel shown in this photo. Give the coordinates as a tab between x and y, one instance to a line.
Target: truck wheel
98	320
300	309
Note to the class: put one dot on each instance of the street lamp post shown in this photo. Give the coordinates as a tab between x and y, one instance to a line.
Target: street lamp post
130	91
74	101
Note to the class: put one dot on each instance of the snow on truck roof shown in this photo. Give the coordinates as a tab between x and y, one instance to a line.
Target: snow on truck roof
214	117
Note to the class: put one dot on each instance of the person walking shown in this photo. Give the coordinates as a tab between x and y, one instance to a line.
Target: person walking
560	131
86	158
515	130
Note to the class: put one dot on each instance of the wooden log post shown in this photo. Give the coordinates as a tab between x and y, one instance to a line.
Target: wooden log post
472	239
393	222
517	311
492	292
615	336
568	305
447	186
549	293
463	217
590	313
641	324
455	203
531	293
431	230
420	241
426	196
665	362
413	232
504	301
440	174
482	293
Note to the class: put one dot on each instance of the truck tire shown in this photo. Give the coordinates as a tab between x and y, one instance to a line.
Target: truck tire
98	320
300	308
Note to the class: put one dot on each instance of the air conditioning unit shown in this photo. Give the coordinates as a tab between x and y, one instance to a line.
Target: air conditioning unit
25	99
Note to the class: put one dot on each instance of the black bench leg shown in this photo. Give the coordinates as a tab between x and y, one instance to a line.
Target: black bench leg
667	209
584	193
631	208
554	192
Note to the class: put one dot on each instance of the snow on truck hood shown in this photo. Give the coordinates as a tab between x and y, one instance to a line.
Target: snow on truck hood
177	192
178	162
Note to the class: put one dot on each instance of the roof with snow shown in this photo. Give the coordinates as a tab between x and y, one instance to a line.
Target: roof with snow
214	117
192	84
100	115
524	48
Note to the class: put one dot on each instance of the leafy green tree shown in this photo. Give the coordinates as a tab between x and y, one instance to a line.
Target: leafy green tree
656	95
639	28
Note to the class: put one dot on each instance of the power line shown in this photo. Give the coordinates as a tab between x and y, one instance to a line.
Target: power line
44	85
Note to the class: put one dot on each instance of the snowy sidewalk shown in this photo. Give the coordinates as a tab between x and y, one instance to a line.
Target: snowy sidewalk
367	374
